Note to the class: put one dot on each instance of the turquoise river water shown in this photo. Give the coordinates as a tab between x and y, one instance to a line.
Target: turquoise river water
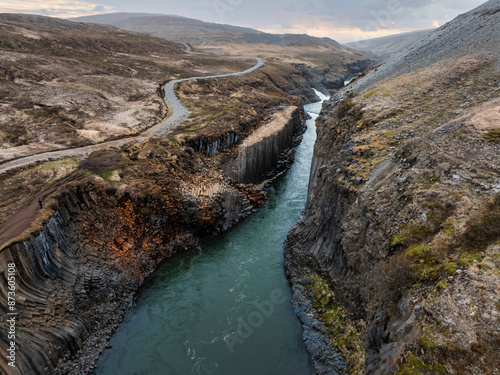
224	309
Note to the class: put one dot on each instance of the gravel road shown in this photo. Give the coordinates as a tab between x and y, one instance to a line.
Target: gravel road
179	114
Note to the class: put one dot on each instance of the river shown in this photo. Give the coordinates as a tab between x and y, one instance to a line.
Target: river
224	309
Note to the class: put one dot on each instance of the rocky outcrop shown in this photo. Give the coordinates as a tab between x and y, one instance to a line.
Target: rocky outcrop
403	194
349	234
327	84
210	148
267	151
76	276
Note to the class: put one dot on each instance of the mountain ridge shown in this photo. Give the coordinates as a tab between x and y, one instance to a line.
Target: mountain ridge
387	45
189	30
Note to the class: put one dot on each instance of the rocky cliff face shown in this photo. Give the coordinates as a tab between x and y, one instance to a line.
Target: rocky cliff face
328	83
400	231
264	153
76	275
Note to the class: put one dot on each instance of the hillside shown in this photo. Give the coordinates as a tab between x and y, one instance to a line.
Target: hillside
472	33
323	58
399	246
65	84
196	32
385	46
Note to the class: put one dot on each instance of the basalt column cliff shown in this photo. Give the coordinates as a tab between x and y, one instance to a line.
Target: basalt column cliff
395	261
76	274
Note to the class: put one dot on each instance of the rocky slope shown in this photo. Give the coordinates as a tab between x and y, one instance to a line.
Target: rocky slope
400	237
385	46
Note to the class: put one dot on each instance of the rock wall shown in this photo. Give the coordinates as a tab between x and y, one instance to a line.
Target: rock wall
324	82
398	240
210	148
76	277
267	151
339	238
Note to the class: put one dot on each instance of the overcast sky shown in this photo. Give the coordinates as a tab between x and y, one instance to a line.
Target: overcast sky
341	20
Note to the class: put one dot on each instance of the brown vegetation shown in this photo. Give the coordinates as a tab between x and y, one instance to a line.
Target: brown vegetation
237	104
65	84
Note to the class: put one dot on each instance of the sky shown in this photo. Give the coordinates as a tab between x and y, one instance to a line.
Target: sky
342	20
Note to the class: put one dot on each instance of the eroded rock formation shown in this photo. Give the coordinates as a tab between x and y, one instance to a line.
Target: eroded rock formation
77	274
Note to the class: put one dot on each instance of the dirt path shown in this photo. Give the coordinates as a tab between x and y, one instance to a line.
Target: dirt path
178	115
19	221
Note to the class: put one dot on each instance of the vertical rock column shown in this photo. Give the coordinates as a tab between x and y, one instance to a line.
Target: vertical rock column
260	155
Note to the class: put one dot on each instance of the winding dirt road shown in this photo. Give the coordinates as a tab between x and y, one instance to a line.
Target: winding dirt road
179	114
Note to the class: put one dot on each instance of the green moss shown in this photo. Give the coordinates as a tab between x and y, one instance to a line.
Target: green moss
493	136
427	340
449	228
415	366
107	174
432	263
441	285
373	92
466	259
411	234
419	251
450	268
346	335
432	178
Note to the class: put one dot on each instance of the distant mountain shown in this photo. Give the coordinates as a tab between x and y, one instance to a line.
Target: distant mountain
196	32
387	45
323	62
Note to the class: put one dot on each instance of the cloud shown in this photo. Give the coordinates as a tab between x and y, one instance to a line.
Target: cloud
55	8
354	19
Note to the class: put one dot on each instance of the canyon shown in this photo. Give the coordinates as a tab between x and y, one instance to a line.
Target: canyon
108	219
393	265
77	274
